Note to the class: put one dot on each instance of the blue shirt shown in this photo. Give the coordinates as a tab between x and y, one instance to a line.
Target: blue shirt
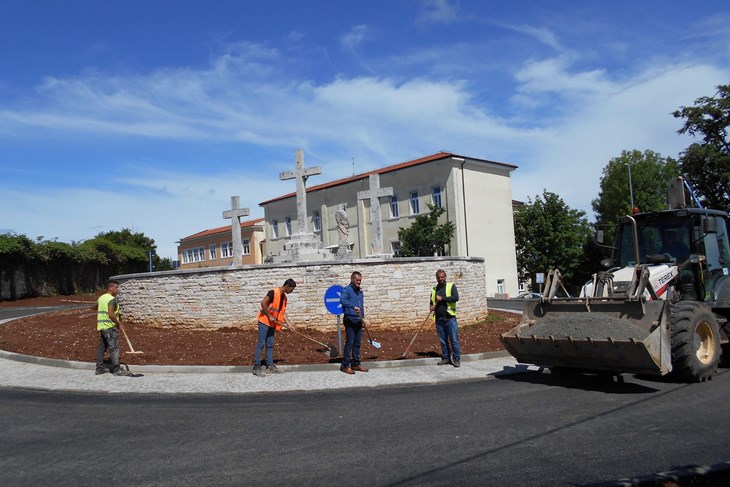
351	297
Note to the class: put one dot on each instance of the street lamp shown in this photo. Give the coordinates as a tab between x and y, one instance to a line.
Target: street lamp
631	189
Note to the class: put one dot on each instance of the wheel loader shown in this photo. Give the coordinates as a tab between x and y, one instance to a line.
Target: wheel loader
661	306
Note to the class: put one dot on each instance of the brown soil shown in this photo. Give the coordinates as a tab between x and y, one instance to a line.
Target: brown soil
71	335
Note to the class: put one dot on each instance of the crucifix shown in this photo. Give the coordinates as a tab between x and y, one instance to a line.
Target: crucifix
301	174
235	214
374	194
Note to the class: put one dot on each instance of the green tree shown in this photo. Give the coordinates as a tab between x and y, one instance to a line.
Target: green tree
16	253
707	164
549	235
425	236
650	177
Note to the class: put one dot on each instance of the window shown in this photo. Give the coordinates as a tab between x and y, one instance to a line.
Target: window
394	247
226	249
436	196
246	246
500	286
394	206
212	252
414	203
287	224
316	221
194	255
275	228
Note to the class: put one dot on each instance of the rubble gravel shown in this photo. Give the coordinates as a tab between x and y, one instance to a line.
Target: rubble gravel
586	325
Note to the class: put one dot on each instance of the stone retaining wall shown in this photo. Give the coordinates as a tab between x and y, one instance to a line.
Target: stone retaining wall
396	292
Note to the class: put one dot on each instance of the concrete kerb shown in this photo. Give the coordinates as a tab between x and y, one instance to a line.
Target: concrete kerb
237	369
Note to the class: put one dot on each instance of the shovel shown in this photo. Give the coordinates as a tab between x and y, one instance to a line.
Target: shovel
370	339
408	348
131	348
329	349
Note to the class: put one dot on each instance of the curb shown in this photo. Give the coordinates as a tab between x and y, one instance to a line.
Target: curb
237	369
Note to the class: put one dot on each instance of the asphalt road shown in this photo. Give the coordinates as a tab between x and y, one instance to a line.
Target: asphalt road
10	313
522	430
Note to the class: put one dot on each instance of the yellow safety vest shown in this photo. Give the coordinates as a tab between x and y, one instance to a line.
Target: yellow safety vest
450	306
103	322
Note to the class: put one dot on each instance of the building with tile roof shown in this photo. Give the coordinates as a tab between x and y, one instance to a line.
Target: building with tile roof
477	195
214	247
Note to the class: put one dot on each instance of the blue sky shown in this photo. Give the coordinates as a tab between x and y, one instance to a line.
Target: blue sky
150	115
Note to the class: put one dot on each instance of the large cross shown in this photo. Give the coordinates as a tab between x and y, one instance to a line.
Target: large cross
374	194
300	174
235	214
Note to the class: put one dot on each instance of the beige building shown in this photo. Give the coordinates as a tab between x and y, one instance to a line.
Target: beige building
476	193
214	247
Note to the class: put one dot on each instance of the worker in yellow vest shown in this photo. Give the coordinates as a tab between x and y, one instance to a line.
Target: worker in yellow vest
271	317
443	306
108	323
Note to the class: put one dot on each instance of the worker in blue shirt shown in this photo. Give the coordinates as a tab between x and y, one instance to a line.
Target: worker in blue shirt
352	300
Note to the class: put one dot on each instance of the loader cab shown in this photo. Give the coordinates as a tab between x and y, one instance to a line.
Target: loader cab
663	237
694	239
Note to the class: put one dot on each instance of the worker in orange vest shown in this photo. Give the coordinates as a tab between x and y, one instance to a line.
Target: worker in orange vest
271	317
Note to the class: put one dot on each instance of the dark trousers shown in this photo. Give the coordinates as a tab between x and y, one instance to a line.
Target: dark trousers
108	340
353	339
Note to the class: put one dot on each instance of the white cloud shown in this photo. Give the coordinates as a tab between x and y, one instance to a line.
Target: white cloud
436	12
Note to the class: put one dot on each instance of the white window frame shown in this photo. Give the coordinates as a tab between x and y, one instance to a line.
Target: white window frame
275	228
316	221
196	254
226	250
212	251
394	206
414	203
287	226
394	246
436	196
246	244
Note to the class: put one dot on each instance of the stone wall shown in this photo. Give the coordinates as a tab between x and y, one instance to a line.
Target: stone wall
396	292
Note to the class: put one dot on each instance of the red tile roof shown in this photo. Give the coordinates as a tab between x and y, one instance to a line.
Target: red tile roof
387	169
227	228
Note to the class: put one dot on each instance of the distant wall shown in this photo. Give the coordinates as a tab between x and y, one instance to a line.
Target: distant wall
396	292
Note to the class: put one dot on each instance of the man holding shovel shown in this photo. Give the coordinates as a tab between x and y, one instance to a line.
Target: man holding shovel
353	307
271	317
443	305
108	324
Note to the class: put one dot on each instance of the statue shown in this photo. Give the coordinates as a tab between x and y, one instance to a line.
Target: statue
343	225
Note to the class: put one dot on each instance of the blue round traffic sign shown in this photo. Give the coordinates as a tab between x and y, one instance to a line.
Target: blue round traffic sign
332	299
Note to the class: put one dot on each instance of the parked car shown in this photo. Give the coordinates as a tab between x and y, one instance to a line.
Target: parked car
528	295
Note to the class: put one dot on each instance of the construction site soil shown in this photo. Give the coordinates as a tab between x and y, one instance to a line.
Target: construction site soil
70	334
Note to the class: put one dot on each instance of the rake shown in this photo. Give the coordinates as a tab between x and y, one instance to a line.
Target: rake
408	348
131	348
329	350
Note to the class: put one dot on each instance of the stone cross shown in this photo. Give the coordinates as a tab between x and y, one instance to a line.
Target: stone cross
235	214
374	194
300	173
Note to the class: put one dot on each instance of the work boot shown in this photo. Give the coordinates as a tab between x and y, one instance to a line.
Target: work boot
273	369
360	368
347	370
443	361
259	371
457	363
101	371
120	372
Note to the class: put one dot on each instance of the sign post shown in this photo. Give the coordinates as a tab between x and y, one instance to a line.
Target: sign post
332	303
540	278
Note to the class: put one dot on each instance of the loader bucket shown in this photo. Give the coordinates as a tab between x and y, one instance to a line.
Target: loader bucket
594	335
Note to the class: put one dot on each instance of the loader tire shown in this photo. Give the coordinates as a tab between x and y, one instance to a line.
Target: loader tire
695	342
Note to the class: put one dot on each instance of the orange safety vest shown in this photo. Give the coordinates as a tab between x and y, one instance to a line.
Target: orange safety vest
276	309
